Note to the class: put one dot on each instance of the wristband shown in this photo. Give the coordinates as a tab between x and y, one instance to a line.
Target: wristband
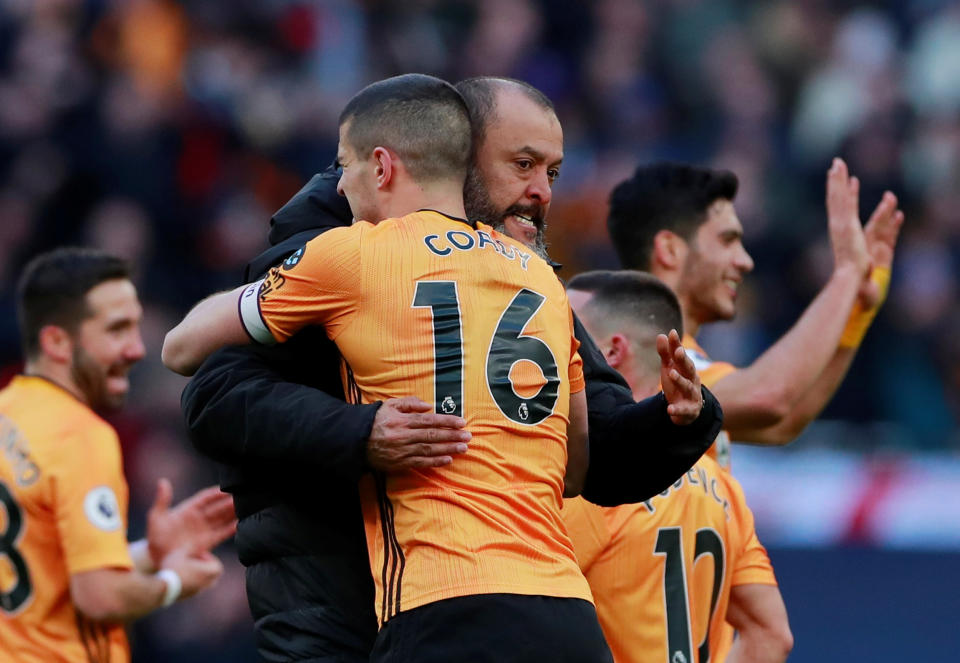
174	585
860	318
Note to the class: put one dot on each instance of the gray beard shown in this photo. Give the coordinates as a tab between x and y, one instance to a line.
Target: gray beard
480	209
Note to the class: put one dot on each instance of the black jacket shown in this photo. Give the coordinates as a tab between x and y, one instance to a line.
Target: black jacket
276	416
293	452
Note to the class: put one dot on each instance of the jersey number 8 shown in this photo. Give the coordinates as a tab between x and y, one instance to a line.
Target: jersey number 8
12	599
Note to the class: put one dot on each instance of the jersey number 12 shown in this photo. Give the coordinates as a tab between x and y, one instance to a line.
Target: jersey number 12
670	545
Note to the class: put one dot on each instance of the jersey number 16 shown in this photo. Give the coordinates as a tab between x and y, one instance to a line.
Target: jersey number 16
508	346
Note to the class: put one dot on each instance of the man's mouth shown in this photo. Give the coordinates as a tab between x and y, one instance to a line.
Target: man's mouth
525	221
521	228
118	378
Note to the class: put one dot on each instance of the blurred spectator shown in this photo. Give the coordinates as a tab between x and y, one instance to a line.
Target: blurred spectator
169	131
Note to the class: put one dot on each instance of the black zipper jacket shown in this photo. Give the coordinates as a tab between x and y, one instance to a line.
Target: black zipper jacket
293	450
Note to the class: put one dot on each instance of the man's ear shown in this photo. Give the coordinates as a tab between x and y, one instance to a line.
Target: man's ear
56	343
384	166
669	250
617	351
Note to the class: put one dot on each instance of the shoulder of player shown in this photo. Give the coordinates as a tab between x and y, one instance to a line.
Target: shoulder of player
706	481
709	369
85	437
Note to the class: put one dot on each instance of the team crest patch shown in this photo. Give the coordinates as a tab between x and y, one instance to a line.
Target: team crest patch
101	508
294	258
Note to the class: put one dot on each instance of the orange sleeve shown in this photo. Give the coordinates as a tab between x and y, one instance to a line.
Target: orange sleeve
715	372
90	500
752	564
319	284
577	381
587	529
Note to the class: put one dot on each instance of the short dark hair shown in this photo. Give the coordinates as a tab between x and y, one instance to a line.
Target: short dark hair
663	196
480	93
422	118
53	287
637	297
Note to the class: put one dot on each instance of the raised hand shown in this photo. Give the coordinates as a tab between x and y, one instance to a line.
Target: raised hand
199	523
843	219
679	380
407	434
881	233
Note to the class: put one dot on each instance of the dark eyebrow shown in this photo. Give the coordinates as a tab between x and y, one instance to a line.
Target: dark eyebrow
536	154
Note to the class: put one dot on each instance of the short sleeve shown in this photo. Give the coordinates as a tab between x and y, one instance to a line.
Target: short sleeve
587	529
714	372
90	499
752	564
318	284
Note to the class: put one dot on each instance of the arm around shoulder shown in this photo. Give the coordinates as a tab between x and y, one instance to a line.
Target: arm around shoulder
210	325
245	404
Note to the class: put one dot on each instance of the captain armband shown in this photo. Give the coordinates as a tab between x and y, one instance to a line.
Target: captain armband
859	321
250	317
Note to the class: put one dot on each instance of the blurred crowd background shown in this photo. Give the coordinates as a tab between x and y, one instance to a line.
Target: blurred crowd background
168	132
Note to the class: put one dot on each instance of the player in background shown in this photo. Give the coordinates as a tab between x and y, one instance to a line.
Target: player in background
69	579
470	560
678	222
665	573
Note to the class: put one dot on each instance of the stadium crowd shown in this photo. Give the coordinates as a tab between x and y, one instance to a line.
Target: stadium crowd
168	133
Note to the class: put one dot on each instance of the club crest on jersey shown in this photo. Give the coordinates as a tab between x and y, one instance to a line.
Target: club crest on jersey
448	405
294	258
523	412
101	509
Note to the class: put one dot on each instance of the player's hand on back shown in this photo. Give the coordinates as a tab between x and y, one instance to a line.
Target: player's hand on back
197	570
843	219
679	380
202	521
881	233
407	434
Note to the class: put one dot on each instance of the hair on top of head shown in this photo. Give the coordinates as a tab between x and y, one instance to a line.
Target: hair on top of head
636	297
53	287
663	196
480	93
421	118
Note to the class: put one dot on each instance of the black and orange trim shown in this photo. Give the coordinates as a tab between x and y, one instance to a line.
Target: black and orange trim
393	557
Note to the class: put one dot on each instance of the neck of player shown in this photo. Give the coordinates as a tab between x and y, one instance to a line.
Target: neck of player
444	197
59	374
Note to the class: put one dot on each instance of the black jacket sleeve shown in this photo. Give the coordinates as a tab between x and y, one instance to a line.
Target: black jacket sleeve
249	404
282	405
636	451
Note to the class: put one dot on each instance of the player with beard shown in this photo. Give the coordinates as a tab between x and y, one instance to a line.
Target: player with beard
290	444
71	579
518	153
678	222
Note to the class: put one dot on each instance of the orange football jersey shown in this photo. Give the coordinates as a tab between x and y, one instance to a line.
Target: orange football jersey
711	372
64	511
467	319
661	571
